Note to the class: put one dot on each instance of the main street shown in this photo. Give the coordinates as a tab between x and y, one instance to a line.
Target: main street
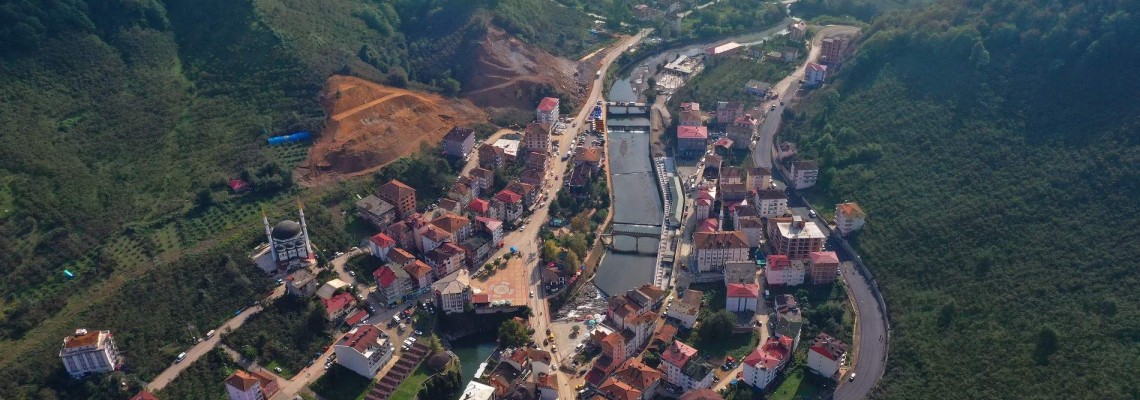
526	241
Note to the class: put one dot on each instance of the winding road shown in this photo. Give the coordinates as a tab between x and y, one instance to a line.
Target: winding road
869	354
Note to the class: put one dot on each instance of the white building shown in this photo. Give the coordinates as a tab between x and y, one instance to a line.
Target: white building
764	363
683	369
686	308
826	355
741	297
364	350
815	74
713	249
786	272
89	353
770	203
477	391
453	292
804	173
849	217
547	111
380	244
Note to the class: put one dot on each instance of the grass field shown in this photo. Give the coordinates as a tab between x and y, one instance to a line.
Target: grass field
340	383
410	386
798	384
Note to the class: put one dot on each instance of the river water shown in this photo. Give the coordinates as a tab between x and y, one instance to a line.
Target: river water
473	350
637	199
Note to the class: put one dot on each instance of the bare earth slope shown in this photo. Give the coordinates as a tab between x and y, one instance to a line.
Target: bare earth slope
371	125
510	73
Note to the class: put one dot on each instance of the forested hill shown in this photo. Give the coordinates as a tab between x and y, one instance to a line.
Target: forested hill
995	146
121	122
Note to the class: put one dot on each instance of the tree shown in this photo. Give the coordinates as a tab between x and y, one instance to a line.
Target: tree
513	334
549	251
716	326
571	263
450	87
577	244
397	77
1046	345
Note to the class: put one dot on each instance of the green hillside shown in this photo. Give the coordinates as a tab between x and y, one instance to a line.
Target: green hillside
996	148
120	124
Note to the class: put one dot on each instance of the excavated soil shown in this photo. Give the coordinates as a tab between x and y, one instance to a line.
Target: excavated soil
510	73
371	125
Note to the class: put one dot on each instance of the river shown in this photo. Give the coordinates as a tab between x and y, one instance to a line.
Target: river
473	350
637	199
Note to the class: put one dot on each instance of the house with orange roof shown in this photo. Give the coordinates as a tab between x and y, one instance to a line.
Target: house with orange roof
380	244
528	192
537	136
421	276
400	257
687	308
823	267
849	217
765	362
449	205
546	386
433	236
399	195
633	381
492	227
492	157
590	156
782	271
459	227
258	385
90	352
479	208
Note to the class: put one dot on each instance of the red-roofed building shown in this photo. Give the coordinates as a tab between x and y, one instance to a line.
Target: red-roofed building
491	226
508	205
479	208
824	267
337	306
742	297
690	114
815	74
380	244
242	385
709	225
356	317
537	137
633	381
704	203
547	111
673	360
826	355
420	274
783	271
364	350
692	139
764	363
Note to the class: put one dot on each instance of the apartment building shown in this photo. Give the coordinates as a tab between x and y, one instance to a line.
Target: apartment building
89	352
794	237
399	195
714	249
849	217
364	350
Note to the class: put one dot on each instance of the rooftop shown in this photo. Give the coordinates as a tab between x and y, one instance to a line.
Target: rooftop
743	290
720	240
828	346
678	353
692	132
373	205
458	134
850	210
548	104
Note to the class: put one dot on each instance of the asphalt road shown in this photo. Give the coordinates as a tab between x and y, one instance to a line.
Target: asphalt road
871	325
193	353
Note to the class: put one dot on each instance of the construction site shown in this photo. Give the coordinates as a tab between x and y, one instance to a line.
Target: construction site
371	125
